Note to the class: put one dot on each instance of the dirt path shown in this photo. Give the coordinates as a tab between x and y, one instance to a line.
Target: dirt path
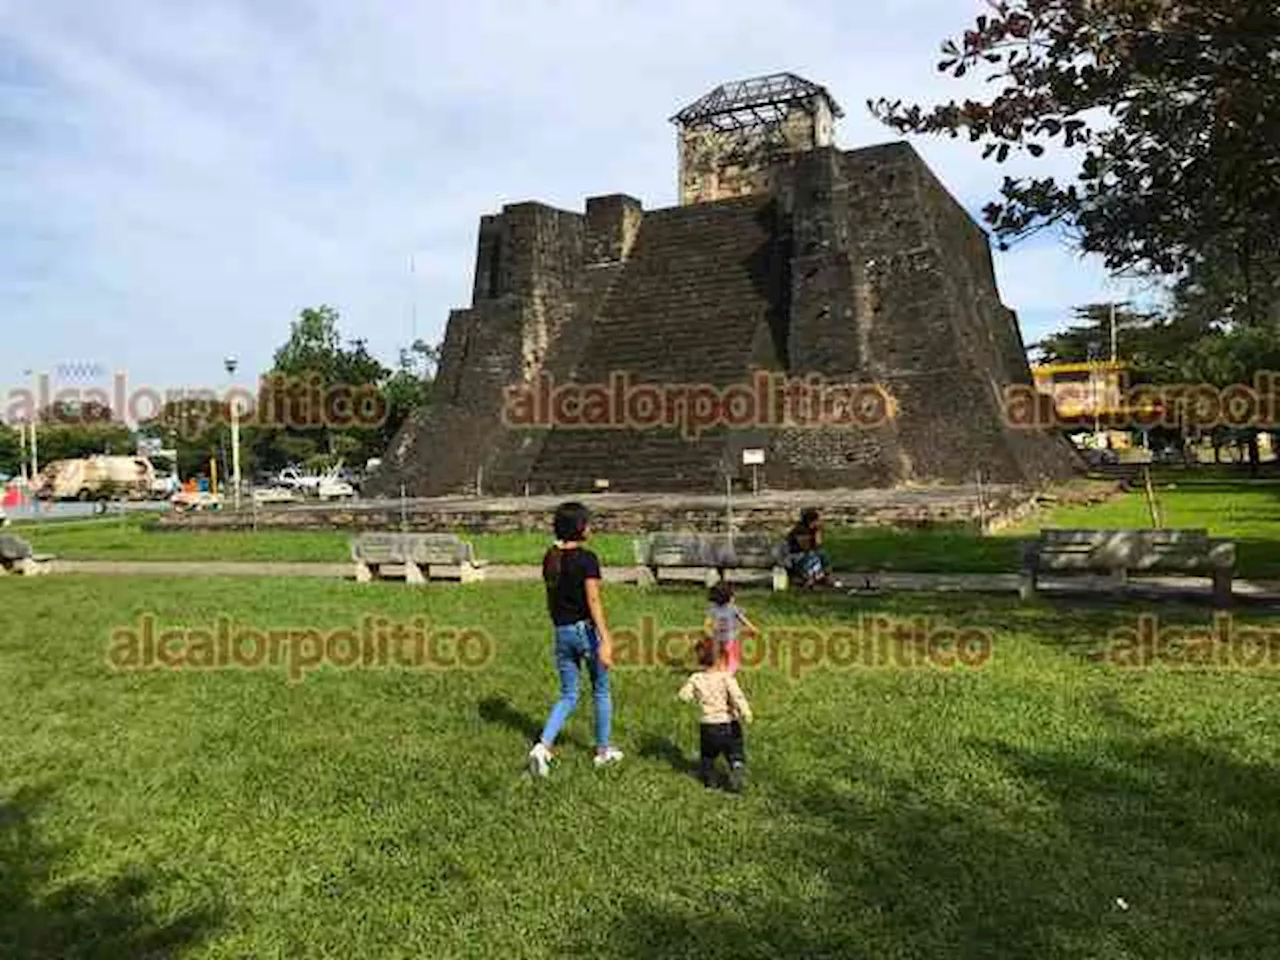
1168	587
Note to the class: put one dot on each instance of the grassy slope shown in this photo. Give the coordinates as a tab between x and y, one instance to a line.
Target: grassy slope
912	813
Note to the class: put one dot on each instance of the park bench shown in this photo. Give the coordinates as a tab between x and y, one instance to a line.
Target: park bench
17	557
709	558
421	557
1124	552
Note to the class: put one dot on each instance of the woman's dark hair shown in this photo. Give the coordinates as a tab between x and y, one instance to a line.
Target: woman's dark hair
809	516
721	593
570	524
570	521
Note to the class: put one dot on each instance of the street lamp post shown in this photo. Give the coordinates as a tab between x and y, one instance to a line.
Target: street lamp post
35	418
1094	373
231	363
22	445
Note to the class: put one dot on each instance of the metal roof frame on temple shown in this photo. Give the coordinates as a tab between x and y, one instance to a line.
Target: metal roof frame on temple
754	103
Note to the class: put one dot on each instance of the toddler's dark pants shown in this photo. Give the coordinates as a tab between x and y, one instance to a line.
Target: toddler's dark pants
722	739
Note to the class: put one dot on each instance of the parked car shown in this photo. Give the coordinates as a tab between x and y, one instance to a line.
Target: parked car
195	500
291	478
332	488
162	488
264	495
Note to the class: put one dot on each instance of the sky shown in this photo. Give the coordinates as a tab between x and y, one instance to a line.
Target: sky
181	178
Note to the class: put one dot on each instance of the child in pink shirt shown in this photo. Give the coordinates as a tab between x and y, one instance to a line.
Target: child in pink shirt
723	618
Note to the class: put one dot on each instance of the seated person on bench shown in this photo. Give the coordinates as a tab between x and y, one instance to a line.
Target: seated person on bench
806	563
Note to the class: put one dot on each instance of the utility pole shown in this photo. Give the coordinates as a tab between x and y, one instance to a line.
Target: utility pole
1113	331
22	444
230	364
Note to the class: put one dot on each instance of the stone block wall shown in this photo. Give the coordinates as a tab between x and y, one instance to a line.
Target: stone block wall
857	267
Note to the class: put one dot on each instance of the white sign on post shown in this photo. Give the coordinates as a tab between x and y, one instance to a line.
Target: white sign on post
753	458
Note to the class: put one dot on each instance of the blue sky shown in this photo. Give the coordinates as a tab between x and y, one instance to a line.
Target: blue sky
181	178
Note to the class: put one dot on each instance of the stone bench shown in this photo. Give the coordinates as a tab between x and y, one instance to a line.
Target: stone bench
16	557
1124	552
710	558
421	557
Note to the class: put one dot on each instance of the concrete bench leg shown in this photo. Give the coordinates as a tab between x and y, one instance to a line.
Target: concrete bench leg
26	567
1027	585
646	577
364	573
1222	588
470	573
414	573
780	581
712	577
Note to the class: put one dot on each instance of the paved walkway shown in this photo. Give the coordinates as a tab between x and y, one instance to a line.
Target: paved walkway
888	582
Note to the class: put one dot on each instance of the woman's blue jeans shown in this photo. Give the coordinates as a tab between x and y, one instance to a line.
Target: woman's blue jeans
577	644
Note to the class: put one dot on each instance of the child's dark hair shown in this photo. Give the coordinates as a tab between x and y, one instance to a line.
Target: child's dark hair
809	516
708	651
569	524
721	593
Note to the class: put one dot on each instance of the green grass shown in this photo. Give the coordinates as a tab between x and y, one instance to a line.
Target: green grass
892	813
137	538
1247	510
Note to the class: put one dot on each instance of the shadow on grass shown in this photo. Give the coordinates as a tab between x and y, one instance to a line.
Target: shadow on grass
1131	844
499	711
666	750
104	919
1079	625
939	549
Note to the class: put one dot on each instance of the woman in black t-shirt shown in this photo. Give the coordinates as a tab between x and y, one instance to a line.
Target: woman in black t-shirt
572	576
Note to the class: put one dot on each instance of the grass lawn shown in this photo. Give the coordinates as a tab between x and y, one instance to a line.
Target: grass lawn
1043	804
1244	509
1247	511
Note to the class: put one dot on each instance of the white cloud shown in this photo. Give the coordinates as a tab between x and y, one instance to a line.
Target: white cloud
181	179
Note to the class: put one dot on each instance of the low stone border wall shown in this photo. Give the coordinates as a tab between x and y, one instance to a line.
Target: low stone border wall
631	513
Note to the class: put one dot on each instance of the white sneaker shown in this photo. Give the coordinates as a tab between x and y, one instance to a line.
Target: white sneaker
611	755
539	760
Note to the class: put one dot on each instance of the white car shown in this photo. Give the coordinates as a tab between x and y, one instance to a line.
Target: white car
163	488
293	479
330	488
276	495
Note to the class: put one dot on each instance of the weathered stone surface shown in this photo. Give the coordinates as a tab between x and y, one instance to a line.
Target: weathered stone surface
774	511
857	267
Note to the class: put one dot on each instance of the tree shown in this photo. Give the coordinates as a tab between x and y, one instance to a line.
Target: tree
314	357
313	344
1174	106
69	431
1089	338
10	451
197	428
411	386
76	413
1234	357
